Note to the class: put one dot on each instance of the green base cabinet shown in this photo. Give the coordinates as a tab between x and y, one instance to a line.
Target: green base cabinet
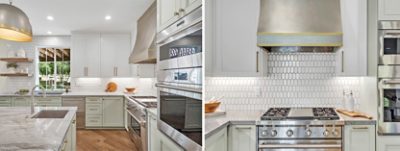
359	138
104	112
218	141
242	137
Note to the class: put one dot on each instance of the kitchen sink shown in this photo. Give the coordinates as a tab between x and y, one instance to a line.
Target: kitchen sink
51	114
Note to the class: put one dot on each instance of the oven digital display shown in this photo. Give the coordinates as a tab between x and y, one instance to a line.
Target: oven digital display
175	52
181	76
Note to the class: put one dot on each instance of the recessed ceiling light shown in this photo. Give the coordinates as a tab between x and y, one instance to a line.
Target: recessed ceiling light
50	18
108	17
49	32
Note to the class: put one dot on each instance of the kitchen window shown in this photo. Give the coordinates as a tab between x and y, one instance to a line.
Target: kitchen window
54	68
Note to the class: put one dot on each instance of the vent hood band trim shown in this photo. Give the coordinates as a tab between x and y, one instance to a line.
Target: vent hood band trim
320	39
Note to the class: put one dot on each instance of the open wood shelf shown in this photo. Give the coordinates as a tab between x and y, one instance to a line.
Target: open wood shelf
16	59
15	74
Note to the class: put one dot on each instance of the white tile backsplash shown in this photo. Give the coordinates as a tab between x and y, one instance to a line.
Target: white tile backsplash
294	80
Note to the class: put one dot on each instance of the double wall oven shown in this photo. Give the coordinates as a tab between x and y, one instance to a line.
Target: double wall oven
389	78
179	81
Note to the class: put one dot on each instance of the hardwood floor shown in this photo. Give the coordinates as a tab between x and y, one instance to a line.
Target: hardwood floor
103	140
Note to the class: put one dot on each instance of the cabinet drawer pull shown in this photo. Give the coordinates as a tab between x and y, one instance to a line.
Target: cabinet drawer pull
176	13
360	128
243	127
73	122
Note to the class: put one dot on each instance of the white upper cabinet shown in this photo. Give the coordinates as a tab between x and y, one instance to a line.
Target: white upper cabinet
85	55
231	38
100	55
167	13
389	10
170	11
115	50
352	56
186	6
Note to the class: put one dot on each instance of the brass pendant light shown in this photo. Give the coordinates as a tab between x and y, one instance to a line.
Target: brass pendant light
14	24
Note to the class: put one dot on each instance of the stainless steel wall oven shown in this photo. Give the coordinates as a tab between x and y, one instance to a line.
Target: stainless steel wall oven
179	81
389	42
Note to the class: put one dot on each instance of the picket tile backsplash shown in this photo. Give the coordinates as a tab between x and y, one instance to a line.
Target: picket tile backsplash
294	80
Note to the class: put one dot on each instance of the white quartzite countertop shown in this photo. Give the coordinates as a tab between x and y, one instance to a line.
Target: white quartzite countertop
215	123
20	132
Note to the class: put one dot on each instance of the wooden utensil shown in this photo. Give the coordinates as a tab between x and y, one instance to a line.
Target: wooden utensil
353	114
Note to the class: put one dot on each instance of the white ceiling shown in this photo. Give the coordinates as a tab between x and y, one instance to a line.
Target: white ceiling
82	15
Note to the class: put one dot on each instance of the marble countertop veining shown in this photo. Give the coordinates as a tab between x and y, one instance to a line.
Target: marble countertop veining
215	123
20	132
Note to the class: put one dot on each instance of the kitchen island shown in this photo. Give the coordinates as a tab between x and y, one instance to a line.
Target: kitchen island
19	131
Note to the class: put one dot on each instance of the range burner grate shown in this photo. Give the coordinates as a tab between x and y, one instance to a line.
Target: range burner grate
325	114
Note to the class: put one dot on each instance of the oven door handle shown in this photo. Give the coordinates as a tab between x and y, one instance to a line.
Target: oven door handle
283	146
391	82
178	88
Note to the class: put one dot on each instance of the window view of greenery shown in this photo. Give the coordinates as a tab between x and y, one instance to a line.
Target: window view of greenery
54	68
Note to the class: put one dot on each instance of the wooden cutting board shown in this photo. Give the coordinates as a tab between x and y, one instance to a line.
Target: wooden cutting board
353	114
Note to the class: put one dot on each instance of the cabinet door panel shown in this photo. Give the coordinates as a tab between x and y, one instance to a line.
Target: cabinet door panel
21	101
189	5
154	143
166	13
352	56
236	49
115	51
85	55
389	10
113	112
218	141
242	137
359	138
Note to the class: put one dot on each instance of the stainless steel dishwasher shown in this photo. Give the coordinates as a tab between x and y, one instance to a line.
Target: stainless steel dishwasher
80	113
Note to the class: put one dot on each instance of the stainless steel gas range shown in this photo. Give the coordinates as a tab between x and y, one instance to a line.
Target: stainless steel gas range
300	129
136	123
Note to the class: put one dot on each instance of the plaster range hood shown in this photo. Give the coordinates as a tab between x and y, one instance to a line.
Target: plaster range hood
144	51
299	23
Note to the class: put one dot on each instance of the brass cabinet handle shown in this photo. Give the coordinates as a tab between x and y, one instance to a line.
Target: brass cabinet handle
342	60
86	71
73	122
181	10
360	128
257	62
176	13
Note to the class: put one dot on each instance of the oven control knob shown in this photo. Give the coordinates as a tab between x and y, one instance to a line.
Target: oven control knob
335	133
308	132
274	133
264	133
289	133
326	133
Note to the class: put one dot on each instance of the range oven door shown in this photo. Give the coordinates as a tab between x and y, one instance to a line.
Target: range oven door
389	107
137	129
